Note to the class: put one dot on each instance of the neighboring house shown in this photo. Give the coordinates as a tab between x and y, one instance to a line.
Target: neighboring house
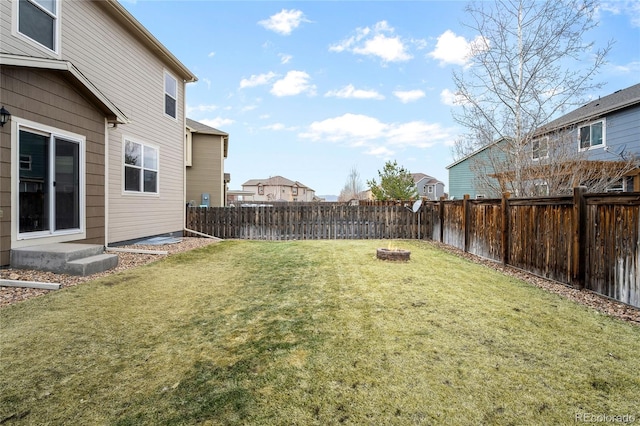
428	186
278	188
598	141
462	173
94	149
205	152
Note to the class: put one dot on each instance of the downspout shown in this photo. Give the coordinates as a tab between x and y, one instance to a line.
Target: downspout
106	183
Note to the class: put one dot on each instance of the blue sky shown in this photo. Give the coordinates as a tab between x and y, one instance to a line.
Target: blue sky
309	90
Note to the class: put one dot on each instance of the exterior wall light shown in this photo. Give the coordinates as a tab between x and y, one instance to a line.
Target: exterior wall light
4	116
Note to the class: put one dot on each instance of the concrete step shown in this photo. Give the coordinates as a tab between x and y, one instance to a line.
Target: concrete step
92	264
57	257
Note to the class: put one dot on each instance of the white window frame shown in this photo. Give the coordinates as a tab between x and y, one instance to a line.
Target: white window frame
166	93
142	168
27	160
55	15
604	135
539	142
25	239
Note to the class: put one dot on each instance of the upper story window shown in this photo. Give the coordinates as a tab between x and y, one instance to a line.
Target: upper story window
38	20
294	190
140	167
540	148
592	135
170	95
260	190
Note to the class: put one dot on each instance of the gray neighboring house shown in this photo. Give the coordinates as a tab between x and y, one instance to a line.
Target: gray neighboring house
599	131
428	186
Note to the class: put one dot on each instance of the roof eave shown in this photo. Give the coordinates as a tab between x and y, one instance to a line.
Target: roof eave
123	15
113	113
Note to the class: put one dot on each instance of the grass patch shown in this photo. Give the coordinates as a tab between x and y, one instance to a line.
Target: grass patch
312	332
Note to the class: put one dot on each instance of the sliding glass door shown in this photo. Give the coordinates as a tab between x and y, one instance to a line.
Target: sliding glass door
50	190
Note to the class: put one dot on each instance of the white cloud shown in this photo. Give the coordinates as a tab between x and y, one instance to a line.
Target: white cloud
285	59
380	151
207	82
453	49
378	41
376	137
294	83
211	54
407	96
276	127
201	108
217	122
450	98
631	8
257	80
352	128
631	67
284	22
350	92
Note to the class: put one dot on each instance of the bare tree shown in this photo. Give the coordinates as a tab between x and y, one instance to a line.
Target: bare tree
353	189
528	65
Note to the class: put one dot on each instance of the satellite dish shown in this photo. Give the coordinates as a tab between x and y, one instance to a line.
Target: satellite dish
416	206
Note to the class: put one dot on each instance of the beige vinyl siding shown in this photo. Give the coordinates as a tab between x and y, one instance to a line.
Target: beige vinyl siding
116	60
207	170
49	99
132	77
17	44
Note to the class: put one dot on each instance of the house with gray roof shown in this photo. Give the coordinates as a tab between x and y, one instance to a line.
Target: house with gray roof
428	186
600	138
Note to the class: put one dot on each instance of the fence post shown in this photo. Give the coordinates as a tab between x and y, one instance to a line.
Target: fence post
579	236
441	220
505	228
465	221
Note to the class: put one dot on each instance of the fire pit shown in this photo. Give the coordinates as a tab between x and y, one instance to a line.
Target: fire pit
393	254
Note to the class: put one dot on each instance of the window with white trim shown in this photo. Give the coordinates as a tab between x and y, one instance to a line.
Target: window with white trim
140	167
38	20
170	95
260	190
592	135
540	148
294	190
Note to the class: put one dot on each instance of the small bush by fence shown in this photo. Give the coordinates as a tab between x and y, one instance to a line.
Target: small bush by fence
586	240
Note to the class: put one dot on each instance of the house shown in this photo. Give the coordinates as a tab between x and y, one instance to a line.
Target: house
93	150
205	151
464	174
278	188
428	186
597	145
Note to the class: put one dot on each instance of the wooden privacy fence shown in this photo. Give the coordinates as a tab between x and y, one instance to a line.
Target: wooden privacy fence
304	221
586	240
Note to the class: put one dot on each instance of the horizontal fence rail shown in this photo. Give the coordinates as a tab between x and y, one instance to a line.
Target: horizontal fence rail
586	240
